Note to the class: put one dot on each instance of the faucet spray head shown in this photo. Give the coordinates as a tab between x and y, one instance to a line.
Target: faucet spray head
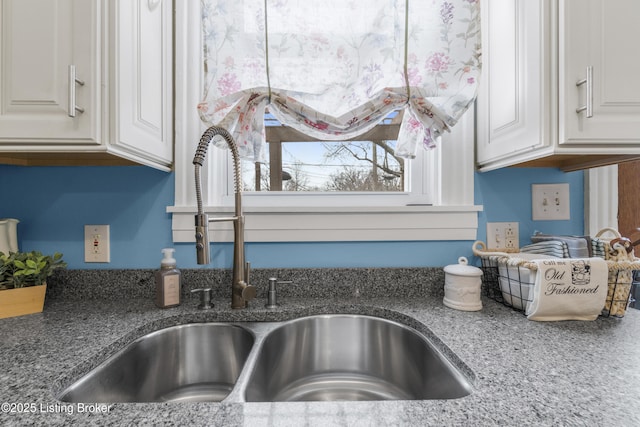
202	239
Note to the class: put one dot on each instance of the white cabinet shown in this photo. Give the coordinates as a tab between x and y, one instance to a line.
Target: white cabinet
39	41
530	103
121	52
601	35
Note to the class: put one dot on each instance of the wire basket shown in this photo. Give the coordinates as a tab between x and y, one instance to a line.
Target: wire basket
620	285
490	278
506	277
509	279
622	264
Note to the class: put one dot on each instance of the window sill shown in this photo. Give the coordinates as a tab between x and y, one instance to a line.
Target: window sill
324	224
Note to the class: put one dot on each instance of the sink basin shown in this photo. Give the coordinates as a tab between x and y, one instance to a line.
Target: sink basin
194	362
336	357
350	357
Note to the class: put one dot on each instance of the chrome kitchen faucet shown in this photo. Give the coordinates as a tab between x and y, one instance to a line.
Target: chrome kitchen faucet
241	291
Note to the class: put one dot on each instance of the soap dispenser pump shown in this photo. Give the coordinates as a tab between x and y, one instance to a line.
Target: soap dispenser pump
168	281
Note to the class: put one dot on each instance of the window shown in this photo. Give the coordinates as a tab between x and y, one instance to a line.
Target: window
297	162
436	202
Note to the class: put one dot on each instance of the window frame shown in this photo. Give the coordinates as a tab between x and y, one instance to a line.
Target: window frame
438	206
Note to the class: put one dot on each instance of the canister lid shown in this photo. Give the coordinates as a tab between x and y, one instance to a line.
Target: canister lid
462	268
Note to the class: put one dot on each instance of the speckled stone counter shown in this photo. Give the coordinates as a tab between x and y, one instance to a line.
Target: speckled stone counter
523	372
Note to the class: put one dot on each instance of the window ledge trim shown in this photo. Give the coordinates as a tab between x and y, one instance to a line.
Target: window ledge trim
364	210
314	224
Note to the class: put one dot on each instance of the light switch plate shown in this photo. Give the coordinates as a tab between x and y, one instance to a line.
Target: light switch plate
96	243
550	202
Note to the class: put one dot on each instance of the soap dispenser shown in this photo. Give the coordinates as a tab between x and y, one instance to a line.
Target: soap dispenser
168	281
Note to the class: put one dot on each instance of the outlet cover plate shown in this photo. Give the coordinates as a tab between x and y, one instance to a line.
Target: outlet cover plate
96	243
503	235
550	202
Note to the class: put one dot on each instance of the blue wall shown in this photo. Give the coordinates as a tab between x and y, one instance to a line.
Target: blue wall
54	203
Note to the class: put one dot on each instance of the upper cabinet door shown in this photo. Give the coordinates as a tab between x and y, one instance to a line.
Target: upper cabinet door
600	36
41	43
515	106
142	76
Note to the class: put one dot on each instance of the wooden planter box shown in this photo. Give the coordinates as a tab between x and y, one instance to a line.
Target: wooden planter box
21	301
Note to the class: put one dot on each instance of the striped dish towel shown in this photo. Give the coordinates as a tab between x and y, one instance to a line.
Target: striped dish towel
598	248
554	248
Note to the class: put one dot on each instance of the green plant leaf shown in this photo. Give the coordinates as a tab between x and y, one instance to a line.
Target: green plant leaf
20	269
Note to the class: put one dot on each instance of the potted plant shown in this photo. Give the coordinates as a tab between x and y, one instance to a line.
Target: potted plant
23	277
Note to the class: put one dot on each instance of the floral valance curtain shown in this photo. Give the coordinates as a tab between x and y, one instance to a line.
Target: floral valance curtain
333	69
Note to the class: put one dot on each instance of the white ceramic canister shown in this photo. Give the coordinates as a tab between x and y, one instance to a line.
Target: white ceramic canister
462	284
8	235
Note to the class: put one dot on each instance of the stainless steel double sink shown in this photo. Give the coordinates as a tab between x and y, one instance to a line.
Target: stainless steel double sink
337	357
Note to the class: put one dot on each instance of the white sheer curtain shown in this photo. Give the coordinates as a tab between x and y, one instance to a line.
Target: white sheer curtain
334	68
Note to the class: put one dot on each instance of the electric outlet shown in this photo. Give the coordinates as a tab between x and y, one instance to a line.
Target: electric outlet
96	243
550	202
503	235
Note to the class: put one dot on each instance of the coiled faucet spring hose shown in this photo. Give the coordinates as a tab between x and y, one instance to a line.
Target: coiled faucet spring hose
201	152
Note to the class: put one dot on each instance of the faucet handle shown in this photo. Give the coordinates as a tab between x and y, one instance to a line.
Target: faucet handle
249	292
205	298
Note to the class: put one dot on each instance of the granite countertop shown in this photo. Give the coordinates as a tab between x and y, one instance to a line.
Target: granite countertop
523	372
